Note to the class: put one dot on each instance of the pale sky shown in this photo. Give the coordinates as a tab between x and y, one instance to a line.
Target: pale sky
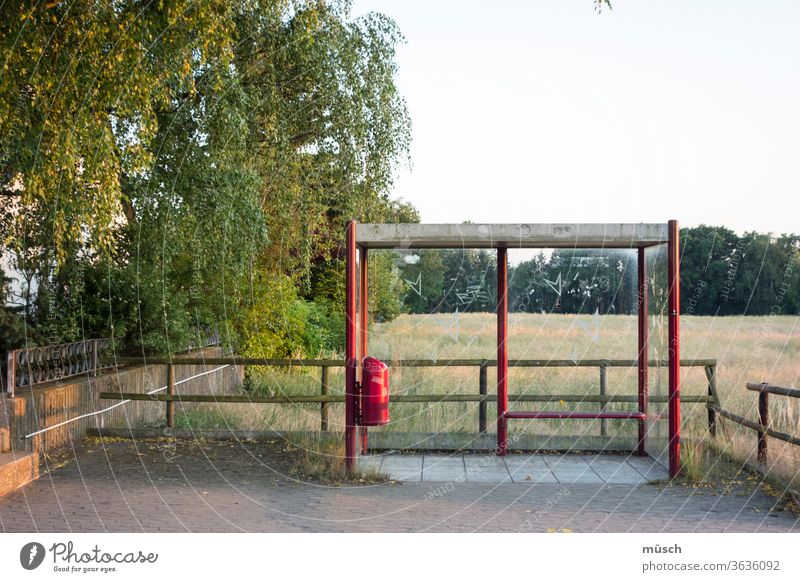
548	112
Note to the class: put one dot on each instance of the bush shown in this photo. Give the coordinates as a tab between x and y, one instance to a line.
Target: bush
279	324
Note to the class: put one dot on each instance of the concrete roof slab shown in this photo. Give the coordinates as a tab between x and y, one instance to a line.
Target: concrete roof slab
560	235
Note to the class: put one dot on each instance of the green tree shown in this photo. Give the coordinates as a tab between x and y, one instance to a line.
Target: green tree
424	274
708	254
81	85
209	150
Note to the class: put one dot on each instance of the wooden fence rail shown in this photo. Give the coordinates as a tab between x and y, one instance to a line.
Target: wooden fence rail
430	398
483	397
406	363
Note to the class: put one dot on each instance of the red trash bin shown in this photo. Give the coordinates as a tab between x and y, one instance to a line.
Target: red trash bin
374	392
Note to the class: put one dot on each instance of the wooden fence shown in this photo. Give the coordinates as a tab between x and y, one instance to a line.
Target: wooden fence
763	428
482	397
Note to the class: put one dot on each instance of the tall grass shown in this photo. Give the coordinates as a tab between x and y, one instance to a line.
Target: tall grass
747	349
322	459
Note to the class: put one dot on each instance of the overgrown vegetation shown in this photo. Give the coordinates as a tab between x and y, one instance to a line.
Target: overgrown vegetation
173	167
205	418
322	459
707	464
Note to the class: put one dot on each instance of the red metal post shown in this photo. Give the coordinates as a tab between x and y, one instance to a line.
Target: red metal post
363	312
502	350
674	338
363	320
578	414
350	401
644	345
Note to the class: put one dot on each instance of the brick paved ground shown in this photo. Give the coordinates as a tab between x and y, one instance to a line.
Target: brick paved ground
220	487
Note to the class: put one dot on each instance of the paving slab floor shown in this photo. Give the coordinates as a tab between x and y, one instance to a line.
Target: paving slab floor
590	469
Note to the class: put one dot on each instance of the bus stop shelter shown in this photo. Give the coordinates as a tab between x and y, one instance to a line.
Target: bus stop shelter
360	238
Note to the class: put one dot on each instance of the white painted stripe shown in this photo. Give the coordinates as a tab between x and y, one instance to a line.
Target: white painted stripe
113	406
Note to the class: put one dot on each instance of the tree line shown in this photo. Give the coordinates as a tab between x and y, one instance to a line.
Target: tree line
722	273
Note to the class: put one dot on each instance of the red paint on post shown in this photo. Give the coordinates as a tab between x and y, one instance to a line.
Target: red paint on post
351	369
363	319
575	414
643	347
363	304
502	350
674	338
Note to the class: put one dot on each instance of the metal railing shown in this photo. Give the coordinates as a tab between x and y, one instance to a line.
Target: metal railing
31	366
205	338
762	427
38	365
482	398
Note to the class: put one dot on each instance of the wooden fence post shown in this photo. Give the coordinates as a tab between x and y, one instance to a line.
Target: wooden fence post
94	357
323	407
603	389
11	373
483	389
170	391
763	417
711	375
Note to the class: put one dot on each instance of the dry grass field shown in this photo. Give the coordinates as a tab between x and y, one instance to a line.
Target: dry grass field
747	349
